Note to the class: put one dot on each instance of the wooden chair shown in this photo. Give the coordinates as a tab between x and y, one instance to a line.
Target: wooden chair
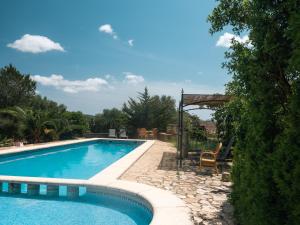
209	159
154	133
142	132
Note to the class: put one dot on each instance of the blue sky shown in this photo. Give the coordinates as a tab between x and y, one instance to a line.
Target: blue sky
94	54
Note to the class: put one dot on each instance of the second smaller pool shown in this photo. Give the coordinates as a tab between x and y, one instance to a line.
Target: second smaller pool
86	210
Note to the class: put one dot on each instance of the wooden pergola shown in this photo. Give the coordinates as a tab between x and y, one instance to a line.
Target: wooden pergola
200	101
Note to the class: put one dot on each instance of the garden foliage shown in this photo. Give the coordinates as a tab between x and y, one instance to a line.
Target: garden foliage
145	111
265	111
26	116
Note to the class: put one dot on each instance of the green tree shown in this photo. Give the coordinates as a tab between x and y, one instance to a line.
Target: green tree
36	125
46	120
15	88
52	108
150	111
228	116
39	119
76	125
195	132
109	119
287	160
138	112
12	123
163	111
265	75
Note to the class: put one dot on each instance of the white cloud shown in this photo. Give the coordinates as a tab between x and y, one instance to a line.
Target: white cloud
226	40
131	78
35	44
130	42
107	28
75	86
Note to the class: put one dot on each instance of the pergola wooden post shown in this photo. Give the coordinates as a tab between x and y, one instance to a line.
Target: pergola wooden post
201	101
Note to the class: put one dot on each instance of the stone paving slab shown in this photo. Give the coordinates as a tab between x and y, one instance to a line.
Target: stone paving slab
204	193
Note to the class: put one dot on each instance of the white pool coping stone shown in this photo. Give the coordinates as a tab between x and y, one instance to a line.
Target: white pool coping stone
167	208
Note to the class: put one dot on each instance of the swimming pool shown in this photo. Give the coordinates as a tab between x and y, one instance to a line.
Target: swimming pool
74	161
50	198
88	209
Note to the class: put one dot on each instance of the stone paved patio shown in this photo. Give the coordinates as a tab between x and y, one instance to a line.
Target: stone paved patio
204	193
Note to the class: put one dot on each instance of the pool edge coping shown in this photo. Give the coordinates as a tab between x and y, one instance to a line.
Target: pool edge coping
119	167
164	203
39	146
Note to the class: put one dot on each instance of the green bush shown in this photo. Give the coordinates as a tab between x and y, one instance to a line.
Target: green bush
266	86
6	142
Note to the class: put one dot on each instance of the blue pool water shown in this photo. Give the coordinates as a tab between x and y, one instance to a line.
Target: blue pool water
87	210
77	161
